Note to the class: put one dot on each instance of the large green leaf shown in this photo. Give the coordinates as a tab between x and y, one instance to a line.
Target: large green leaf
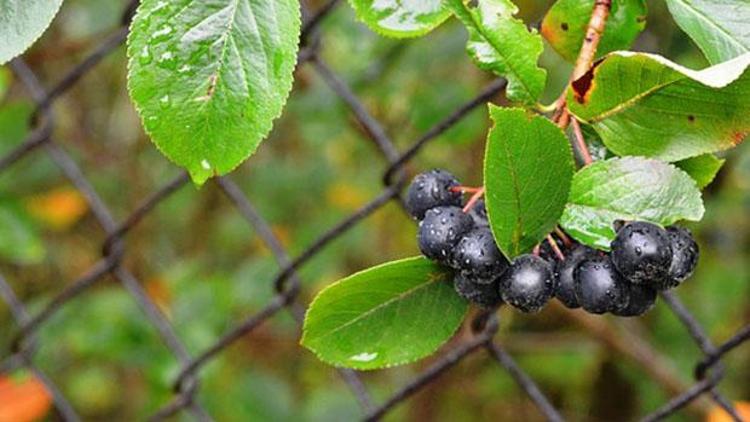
209	77
702	169
22	22
387	315
630	188
566	22
643	104
528	166
401	18
20	242
501	44
721	28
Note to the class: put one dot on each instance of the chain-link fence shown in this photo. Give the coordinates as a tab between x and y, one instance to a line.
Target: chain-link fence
708	372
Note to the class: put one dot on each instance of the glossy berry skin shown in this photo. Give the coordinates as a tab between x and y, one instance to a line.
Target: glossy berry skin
565	290
429	190
441	230
642	253
528	284
481	293
476	255
599	287
685	254
641	299
479	213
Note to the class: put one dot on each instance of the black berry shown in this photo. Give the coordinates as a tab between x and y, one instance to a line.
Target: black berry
479	213
641	299
599	287
528	284
565	290
485	295
429	190
441	230
642	253
685	255
477	256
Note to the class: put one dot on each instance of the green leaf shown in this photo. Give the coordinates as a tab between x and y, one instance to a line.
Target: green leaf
22	22
19	239
401	18
209	77
501	44
387	315
702	169
565	24
528	167
643	104
721	28
630	188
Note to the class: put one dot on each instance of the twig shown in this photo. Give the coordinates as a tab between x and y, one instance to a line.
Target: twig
565	239
586	56
583	149
464	189
553	244
474	198
593	36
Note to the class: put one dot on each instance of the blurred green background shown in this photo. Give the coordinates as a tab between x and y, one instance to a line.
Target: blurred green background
207	269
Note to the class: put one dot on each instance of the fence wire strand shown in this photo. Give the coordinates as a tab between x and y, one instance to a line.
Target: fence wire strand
708	373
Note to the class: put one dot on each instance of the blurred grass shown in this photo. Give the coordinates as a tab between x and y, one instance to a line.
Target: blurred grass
207	269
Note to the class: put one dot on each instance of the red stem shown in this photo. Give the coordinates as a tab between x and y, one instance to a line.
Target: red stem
464	189
583	149
553	244
566	240
474	198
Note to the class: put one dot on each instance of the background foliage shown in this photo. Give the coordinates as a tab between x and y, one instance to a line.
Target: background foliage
202	265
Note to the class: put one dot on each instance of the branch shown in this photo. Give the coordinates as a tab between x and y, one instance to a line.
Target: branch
586	56
593	36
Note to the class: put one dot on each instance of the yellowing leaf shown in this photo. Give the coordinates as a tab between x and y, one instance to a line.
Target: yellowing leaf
23	400
58	209
717	414
158	290
345	196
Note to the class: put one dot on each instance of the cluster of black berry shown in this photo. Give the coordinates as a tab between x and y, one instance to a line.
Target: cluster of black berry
645	258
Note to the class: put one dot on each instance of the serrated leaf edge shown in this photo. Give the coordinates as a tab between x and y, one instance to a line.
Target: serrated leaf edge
200	181
41	33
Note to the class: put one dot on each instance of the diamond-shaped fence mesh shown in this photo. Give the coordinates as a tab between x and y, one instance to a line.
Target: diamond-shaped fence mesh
287	285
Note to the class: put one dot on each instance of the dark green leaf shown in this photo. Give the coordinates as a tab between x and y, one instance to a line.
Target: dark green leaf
643	104
721	28
387	315
209	77
22	22
501	44
566	22
702	169
630	188
401	18
528	166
